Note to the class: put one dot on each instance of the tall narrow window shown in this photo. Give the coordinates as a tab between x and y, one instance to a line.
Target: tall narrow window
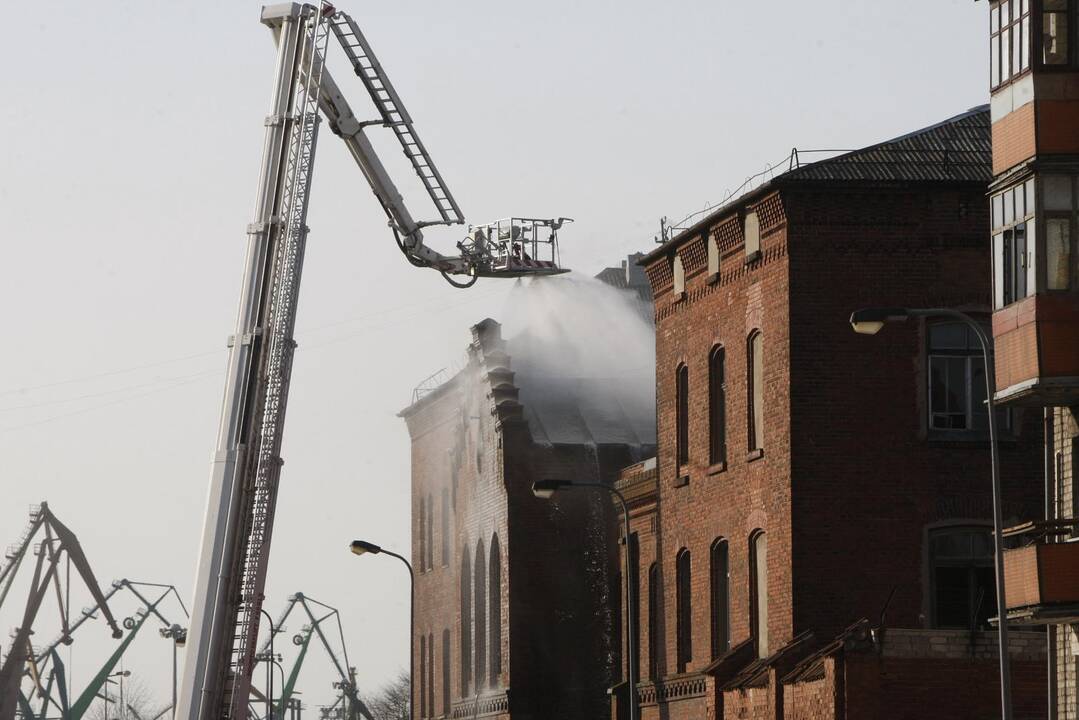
481	617
755	390
719	590
758	591
423	676
466	622
634	592
430	533
957	382
1014	244
684	607
495	614
445	527
961	583
717	407
712	243
431	674
682	420
423	533
446	654
653	622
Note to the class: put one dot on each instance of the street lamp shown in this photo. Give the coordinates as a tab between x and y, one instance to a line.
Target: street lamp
362	547
545	489
120	674
869	321
178	635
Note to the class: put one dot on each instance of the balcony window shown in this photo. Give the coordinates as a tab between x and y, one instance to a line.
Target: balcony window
1014	266
962	589
1009	44
1055	32
1059	205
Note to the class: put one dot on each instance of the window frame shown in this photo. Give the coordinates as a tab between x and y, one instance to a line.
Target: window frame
971	355
683	587
681	398
758	592
1003	48
755	391
717	407
719	586
931	566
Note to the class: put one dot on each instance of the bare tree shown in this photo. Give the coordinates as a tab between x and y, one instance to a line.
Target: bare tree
139	703
390	702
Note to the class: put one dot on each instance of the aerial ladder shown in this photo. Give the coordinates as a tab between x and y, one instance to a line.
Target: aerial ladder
231	573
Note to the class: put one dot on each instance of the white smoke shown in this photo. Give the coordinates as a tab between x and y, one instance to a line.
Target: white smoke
576	340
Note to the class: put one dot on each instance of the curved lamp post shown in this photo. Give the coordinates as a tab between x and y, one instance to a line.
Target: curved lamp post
362	547
545	489
869	321
178	635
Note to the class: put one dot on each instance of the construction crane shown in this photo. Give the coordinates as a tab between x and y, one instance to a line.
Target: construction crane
56	542
231	572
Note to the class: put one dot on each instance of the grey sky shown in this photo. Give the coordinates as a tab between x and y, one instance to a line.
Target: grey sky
132	133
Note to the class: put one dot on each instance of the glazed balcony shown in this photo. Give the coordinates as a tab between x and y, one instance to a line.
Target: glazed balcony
1041	573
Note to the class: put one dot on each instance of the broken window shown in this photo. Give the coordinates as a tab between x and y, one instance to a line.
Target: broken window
717	407
962	587
681	392
712	243
1055	32
758	591
684	609
719	590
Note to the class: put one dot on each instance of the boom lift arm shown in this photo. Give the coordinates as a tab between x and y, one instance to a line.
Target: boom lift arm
231	573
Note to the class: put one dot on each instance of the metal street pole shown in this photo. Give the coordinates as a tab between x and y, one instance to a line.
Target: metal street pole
362	547
872	319
545	488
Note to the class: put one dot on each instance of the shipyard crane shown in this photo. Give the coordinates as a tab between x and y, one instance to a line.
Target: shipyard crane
231	573
56	542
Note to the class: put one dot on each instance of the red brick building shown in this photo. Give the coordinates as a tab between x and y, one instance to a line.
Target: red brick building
808	478
513	593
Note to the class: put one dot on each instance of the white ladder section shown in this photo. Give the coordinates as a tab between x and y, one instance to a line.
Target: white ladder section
395	116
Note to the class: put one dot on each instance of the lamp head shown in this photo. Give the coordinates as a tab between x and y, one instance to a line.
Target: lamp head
869	321
360	547
545	489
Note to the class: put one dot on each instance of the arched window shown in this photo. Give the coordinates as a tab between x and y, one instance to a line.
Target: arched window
430	533
719	576
495	614
755	391
446	653
466	622
423	676
717	407
684	608
681	391
423	533
480	604
758	591
678	275
962	591
445	527
653	622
